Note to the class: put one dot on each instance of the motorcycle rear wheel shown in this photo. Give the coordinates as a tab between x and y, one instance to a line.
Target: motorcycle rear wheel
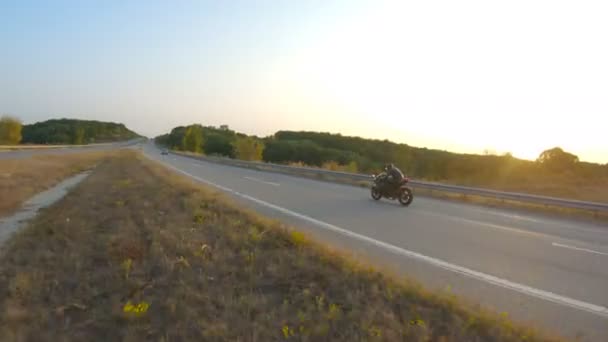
406	197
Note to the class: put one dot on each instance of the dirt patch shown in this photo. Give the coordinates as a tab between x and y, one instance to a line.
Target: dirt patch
138	253
10	224
20	179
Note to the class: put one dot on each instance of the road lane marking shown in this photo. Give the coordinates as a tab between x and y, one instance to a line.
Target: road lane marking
504	283
499	227
483	224
261	181
543	220
555	244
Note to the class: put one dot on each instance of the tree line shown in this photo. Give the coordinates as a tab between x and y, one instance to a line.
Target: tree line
61	131
210	140
554	172
553	168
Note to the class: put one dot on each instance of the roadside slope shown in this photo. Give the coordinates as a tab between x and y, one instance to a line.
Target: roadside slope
138	253
22	178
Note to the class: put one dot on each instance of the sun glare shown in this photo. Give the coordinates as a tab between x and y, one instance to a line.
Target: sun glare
376	68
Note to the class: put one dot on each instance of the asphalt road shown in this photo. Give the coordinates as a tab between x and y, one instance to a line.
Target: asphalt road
25	153
548	272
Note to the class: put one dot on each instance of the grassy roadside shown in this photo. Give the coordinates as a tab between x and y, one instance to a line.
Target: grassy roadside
138	253
23	178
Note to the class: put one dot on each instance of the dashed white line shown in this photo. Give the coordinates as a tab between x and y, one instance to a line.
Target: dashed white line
483	224
261	181
500	227
504	283
555	244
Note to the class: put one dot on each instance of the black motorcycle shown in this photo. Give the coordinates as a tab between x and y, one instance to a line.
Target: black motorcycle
403	193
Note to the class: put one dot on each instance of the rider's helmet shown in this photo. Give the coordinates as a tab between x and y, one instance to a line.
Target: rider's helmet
388	167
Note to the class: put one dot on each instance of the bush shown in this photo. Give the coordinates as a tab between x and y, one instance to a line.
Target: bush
10	130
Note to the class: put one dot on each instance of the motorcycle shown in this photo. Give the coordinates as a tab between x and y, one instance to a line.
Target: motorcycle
403	193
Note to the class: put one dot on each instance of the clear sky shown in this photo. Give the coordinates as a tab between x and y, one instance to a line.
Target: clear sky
466	76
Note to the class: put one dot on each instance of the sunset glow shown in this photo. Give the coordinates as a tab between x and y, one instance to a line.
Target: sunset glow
470	76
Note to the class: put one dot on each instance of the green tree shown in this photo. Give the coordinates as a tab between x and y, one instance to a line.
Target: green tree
557	159
193	139
78	136
10	130
218	144
277	151
248	148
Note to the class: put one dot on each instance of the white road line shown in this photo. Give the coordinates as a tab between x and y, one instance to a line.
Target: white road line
483	224
537	220
555	244
261	181
500	227
504	283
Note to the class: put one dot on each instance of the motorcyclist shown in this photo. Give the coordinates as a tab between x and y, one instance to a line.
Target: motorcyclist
394	176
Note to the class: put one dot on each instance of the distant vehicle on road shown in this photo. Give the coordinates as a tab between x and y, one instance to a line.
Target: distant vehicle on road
164	151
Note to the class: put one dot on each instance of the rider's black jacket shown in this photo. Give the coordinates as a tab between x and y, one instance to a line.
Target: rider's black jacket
395	175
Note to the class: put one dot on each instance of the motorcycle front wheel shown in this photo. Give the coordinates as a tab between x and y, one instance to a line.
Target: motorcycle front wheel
406	197
376	195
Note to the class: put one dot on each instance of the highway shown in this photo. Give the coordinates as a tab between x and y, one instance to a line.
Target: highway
26	153
549	272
